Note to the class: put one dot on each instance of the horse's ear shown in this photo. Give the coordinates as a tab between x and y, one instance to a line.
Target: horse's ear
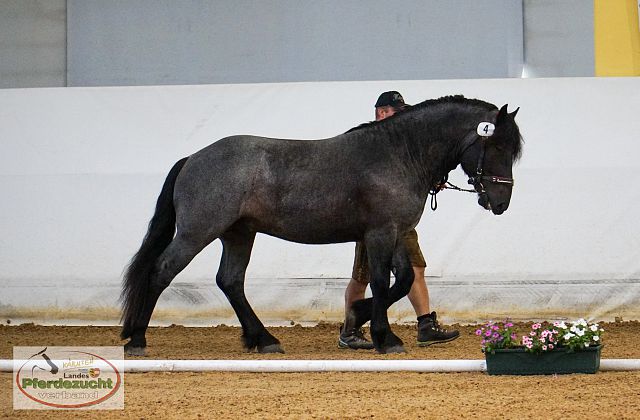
514	113
501	114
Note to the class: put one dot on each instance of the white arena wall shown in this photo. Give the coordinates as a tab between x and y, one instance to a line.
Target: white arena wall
81	168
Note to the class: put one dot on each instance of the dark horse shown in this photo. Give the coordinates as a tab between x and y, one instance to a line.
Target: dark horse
369	184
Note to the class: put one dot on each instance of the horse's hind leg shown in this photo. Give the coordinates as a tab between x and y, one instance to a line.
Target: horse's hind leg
173	260
237	244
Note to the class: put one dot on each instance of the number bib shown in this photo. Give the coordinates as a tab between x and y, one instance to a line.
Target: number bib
485	129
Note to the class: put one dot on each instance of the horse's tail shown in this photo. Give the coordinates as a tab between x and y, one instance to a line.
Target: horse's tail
135	284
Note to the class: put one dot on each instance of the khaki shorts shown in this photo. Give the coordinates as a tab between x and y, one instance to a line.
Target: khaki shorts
361	266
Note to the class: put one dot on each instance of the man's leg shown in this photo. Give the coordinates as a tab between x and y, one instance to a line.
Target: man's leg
355	291
352	337
429	331
419	293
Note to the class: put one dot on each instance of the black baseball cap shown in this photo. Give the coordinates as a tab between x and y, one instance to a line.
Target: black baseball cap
390	98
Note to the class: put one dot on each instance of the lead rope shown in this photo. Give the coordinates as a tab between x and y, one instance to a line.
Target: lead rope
444	184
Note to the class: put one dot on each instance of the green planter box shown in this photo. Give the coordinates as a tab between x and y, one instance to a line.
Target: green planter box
558	361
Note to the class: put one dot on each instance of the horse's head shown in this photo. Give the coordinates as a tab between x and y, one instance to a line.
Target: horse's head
487	158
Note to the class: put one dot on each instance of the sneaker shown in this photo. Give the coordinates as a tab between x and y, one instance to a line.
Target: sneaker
354	339
429	331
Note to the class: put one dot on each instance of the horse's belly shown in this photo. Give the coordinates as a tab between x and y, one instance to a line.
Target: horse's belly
315	237
311	228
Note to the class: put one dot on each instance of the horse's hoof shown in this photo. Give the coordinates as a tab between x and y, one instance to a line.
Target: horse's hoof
393	349
271	348
135	351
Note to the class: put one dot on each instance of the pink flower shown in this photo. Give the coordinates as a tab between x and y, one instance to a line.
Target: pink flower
536	326
532	333
550	346
478	332
529	345
544	348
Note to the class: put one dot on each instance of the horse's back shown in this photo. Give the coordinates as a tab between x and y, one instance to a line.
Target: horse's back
219	178
268	182
311	191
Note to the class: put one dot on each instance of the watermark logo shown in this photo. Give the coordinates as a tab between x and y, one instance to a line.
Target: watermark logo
68	378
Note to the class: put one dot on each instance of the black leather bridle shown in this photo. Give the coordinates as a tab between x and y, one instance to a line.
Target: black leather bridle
477	180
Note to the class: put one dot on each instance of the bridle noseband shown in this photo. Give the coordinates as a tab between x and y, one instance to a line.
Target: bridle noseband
483	132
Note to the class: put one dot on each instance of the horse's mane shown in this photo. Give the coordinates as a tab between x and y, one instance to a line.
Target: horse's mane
512	129
454	99
451	99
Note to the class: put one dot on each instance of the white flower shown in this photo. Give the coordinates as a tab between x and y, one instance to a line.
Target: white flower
568	336
596	338
561	325
573	329
586	344
581	322
594	328
580	333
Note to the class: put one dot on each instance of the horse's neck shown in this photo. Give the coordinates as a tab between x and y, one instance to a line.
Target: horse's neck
434	152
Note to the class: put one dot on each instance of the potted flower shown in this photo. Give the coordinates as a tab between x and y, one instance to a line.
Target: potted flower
546	349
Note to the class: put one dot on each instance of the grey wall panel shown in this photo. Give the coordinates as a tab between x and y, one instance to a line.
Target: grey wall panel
190	41
558	38
32	43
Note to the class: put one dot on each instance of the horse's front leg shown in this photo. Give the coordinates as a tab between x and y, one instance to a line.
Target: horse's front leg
380	249
361	310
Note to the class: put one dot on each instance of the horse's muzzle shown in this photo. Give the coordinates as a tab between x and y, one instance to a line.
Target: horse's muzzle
498	209
483	200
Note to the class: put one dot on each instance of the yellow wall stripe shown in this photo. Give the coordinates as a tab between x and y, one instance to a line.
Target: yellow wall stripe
617	37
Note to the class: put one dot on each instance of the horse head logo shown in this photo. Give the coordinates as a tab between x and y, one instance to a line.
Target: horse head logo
52	366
